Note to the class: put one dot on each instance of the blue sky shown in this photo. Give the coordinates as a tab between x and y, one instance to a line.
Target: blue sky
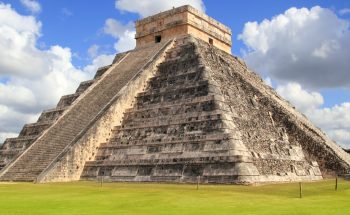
82	28
78	24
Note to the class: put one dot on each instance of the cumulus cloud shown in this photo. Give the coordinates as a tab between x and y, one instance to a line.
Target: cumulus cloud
305	47
32	5
308	46
149	7
125	34
35	78
97	62
303	99
93	51
335	121
344	11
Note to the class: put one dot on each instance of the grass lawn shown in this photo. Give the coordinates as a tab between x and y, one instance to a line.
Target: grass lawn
131	198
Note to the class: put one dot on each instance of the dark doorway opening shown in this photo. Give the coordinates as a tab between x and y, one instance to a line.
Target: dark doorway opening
158	38
211	41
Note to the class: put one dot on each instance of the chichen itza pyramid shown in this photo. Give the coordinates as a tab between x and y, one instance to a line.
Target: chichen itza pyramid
177	108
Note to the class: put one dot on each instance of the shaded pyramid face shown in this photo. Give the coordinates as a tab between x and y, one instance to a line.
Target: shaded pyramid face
204	116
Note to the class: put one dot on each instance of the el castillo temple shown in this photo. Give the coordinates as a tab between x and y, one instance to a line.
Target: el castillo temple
177	108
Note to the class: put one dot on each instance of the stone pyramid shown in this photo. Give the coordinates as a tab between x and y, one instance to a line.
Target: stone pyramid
178	108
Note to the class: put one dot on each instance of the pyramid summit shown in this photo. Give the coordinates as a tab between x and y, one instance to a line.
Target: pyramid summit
177	108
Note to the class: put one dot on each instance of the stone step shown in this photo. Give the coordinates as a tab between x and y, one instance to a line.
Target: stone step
228	179
152	162
67	100
13	147
172	119
184	122
178	66
208	172
170	89
167	114
174	81
101	71
193	109
192	137
175	76
172	94
18	142
171	104
20	176
37	128
84	86
199	138
51	115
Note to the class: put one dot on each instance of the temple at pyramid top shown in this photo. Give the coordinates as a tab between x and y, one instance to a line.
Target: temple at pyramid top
184	20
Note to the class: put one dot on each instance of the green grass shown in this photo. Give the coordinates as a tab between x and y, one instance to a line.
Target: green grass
131	198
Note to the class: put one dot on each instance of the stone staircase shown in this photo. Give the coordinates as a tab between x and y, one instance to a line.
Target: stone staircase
174	132
13	147
70	119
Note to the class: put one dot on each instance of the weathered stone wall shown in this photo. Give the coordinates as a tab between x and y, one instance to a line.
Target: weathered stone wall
292	128
176	131
168	33
183	21
203	35
274	155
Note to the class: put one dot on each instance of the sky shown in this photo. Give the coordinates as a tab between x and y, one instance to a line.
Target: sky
300	48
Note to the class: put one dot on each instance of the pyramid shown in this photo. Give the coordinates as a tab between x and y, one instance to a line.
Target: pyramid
177	108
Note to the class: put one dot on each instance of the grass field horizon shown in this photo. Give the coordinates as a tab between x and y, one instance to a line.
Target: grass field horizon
149	198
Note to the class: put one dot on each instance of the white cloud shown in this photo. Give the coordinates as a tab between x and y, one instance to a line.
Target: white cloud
342	136
302	99
35	78
149	7
305	47
115	28
335	121
32	5
344	11
125	34
126	41
99	61
336	117
93	51
308	46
